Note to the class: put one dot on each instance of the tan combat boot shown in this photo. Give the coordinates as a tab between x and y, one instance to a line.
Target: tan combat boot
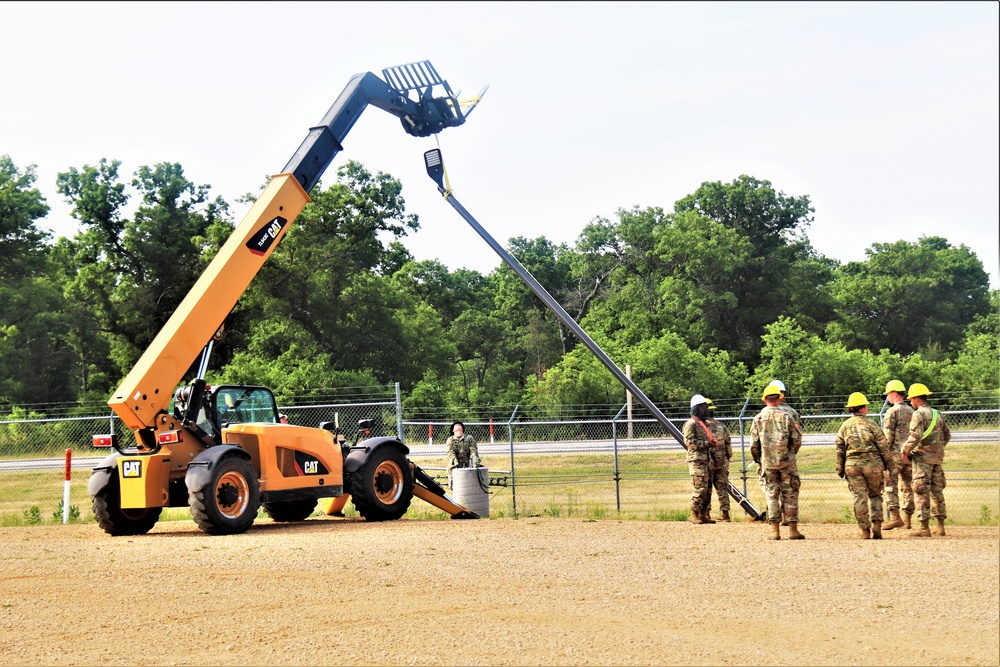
894	520
793	531
940	528
876	530
906	520
775	530
706	517
866	534
695	517
725	518
924	531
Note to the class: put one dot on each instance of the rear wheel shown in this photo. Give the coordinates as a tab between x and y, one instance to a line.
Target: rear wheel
117	520
228	503
383	487
290	510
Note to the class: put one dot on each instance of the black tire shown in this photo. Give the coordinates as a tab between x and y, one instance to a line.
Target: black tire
228	503
118	521
290	510
382	488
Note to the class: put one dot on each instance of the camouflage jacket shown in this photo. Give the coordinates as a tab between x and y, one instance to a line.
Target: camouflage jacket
462	452
931	448
785	407
896	425
724	452
699	446
774	438
860	442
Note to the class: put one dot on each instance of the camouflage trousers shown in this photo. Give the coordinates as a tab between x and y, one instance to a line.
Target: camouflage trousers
902	480
701	480
866	483
720	481
928	487
782	489
797	482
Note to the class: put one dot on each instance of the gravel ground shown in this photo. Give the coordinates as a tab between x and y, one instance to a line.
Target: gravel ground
499	592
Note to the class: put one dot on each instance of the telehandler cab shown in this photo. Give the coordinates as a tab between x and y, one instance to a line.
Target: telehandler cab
221	450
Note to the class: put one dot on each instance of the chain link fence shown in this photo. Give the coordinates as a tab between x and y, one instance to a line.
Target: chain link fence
590	461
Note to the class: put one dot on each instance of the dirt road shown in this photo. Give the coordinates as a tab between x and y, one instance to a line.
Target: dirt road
497	592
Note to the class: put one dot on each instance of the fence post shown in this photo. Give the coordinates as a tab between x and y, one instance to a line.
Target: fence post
614	439
743	447
513	482
399	415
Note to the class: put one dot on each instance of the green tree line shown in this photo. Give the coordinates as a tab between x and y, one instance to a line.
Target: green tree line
717	295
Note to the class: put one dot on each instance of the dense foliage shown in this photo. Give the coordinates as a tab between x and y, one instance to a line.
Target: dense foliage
717	296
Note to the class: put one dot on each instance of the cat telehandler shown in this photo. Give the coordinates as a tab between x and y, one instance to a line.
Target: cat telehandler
221	450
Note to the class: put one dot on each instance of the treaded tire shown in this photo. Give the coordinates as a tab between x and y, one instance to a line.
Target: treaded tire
117	521
228	503
382	488
290	510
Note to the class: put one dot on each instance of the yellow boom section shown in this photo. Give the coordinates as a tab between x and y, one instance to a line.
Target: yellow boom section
149	387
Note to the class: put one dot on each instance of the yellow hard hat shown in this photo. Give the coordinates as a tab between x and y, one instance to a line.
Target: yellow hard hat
894	385
856	400
710	406
917	389
771	390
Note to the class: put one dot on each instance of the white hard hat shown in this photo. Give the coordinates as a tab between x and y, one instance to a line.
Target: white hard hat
779	384
698	399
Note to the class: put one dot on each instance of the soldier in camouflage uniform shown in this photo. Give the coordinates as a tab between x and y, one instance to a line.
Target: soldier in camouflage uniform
793	413
862	458
700	442
896	427
462	449
929	433
774	442
721	456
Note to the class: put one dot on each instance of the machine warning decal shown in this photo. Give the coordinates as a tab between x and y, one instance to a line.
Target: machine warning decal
262	240
132	469
309	465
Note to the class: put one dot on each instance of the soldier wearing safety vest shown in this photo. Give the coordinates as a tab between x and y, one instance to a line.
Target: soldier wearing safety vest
720	460
896	427
929	433
700	443
863	456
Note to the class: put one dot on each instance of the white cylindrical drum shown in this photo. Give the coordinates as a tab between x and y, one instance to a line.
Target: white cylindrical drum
470	489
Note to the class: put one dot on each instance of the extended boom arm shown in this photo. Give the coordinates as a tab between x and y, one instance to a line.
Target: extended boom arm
146	391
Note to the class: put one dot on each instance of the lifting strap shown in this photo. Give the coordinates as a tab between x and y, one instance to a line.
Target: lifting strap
933	424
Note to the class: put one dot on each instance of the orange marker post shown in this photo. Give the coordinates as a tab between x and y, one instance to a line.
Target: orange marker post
491	430
69	459
430	434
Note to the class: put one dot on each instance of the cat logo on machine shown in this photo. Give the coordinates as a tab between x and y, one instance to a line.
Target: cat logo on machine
132	469
262	240
309	465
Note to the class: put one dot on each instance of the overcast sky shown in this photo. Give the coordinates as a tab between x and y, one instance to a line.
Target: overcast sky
885	114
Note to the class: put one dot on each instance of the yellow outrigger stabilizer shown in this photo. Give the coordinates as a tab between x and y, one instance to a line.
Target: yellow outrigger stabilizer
424	487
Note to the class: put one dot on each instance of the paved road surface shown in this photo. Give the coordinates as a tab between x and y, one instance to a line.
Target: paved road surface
499	448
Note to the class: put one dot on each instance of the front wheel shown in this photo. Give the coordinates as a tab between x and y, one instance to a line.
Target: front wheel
228	503
383	487
117	520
